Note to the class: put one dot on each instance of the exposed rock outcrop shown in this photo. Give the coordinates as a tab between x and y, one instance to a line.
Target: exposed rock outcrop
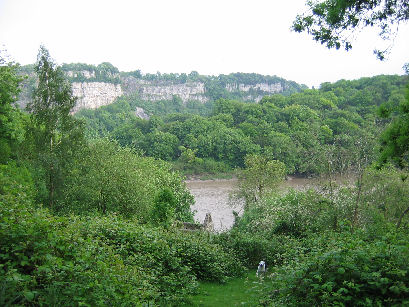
92	95
254	90
101	85
139	112
165	90
265	87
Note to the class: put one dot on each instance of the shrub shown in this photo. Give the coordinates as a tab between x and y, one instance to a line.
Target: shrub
345	270
163	212
43	261
207	259
252	248
147	249
297	213
111	179
96	260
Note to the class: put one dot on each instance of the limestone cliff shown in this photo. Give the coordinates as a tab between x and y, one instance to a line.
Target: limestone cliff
265	87
92	95
96	86
165	90
255	90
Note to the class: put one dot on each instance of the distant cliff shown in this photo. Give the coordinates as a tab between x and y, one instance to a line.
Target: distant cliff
101	85
92	95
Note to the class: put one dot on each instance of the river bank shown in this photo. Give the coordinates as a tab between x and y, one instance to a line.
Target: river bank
213	196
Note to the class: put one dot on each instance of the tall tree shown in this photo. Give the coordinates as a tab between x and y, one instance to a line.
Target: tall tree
260	177
11	127
56	132
395	138
331	22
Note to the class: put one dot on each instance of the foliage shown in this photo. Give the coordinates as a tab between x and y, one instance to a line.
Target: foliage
109	178
11	122
55	134
296	213
161	145
325	246
395	138
164	207
378	199
79	72
44	261
96	260
163	276
260	177
387	191
199	166
344	270
252	247
295	129
330	22
16	183
318	255
207	259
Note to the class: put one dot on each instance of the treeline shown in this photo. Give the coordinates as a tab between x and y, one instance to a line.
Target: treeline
80	72
303	130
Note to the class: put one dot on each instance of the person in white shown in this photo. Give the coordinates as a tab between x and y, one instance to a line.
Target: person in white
261	270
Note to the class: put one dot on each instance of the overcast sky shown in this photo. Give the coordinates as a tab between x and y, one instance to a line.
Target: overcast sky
209	36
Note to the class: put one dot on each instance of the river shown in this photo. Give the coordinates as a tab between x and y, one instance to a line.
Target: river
213	196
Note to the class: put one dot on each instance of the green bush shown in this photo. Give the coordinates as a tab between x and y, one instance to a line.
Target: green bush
207	259
49	260
43	261
147	249
96	260
297	213
345	270
111	179
252	248
163	212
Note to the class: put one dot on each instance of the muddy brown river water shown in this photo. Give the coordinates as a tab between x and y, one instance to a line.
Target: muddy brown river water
213	196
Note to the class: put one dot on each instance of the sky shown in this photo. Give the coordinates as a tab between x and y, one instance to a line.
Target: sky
211	37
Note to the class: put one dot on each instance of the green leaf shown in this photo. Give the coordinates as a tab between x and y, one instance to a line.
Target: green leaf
29	295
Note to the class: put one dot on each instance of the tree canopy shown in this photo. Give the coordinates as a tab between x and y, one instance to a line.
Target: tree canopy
330	22
55	132
11	127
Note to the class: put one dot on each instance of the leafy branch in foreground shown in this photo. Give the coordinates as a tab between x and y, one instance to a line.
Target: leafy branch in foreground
331	22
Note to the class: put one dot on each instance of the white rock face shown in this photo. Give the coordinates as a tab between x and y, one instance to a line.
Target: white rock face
92	95
165	90
139	112
265	87
185	91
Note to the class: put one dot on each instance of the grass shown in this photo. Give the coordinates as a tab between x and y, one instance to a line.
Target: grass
243	291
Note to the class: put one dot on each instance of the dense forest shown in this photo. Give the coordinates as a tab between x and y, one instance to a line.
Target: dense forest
336	123
92	205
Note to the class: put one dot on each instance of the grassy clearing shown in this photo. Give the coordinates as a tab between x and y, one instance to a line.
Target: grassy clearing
243	291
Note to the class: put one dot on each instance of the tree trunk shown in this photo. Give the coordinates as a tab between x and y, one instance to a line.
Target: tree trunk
401	217
358	198
51	178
